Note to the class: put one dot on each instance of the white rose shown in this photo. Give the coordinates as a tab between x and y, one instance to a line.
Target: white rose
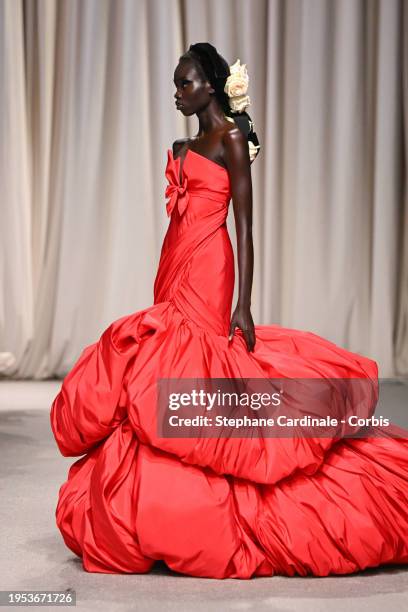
236	86
253	150
239	103
236	68
237	82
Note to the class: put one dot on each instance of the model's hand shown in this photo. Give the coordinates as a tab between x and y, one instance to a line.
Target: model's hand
242	318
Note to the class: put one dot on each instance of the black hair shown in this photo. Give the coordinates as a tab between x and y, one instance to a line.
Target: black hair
215	69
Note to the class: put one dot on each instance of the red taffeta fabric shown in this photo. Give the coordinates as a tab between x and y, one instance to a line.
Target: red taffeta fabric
220	508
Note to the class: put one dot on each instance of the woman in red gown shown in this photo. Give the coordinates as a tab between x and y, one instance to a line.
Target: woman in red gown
217	507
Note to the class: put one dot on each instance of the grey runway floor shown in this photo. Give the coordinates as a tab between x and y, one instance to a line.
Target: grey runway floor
33	555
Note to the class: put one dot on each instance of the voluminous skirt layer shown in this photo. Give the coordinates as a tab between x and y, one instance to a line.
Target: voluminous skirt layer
225	507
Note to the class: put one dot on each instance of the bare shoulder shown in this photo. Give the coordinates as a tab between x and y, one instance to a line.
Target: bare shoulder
178	144
235	143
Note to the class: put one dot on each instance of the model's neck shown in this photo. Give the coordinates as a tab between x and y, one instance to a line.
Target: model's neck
210	118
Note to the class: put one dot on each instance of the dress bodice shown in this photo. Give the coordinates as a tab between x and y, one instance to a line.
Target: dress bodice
195	175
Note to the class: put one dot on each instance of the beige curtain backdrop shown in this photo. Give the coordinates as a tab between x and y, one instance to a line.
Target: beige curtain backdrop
87	114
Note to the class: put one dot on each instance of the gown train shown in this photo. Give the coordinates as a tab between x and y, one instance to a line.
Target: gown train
216	507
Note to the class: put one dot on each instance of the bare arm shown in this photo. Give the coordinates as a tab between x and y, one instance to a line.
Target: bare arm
238	163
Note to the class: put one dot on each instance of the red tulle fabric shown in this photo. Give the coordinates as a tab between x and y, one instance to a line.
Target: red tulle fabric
220	508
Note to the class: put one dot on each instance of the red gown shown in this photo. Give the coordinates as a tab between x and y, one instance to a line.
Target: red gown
219	508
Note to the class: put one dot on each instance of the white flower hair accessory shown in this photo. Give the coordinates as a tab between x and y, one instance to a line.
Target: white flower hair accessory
236	87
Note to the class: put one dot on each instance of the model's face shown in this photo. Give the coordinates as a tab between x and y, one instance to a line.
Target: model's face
192	92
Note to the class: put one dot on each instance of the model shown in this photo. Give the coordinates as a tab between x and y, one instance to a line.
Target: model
218	507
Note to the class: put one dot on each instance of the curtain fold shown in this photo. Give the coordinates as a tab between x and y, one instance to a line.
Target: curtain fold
401	334
87	113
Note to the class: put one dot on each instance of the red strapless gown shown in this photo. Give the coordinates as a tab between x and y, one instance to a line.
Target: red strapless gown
220	508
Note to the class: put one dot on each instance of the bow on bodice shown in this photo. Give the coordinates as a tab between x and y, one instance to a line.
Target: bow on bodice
175	191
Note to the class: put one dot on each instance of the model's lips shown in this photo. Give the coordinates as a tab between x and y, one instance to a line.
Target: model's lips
178	104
